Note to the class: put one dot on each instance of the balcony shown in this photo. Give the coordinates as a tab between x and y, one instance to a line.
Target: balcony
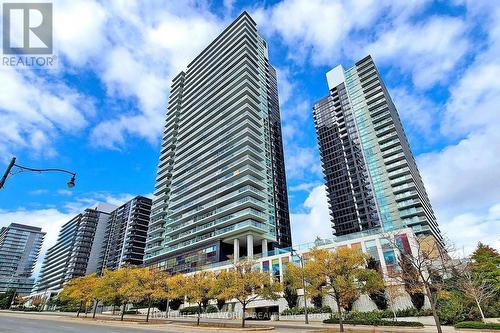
248	224
229	208
411	212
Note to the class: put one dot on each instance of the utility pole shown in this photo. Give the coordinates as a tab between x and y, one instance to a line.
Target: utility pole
7	172
303	285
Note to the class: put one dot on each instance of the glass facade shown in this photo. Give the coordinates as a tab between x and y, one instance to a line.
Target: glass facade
372	179
221	174
376	246
102	237
19	248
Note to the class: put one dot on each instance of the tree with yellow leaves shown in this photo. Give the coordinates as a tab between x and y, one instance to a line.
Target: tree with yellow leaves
115	286
246	284
300	277
171	288
198	288
147	284
81	289
342	275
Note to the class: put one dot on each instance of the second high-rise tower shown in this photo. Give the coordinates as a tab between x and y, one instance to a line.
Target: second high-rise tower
371	175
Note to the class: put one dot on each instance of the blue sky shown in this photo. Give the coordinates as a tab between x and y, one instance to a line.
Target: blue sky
101	112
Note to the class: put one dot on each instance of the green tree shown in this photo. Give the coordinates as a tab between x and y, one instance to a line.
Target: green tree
7	298
486	263
473	284
378	297
290	292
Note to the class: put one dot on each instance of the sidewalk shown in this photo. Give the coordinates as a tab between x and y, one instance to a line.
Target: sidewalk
279	326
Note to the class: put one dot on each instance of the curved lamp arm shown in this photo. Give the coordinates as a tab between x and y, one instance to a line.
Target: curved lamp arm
12	164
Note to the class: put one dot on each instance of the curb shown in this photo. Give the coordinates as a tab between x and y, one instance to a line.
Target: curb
204	328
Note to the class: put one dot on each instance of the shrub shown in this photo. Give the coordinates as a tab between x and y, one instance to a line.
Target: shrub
478	325
450	308
69	309
25	309
380	314
190	310
411	312
365	316
300	310
375	322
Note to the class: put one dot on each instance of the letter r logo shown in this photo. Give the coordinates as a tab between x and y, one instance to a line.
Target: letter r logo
27	28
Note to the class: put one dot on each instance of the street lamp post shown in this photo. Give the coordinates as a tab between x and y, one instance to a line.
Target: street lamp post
20	168
303	285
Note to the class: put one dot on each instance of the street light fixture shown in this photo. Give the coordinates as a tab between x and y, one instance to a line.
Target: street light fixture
20	168
303	285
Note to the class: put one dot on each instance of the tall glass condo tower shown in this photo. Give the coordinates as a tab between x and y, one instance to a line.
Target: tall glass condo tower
220	189
19	248
372	179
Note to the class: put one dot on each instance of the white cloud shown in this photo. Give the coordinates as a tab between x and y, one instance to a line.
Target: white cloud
322	29
314	221
304	187
310	26
41	110
473	104
465	176
78	30
428	50
133	48
323	32
419	115
301	161
143	57
484	228
463	179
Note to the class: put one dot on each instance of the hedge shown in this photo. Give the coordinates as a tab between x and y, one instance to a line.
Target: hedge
190	310
366	315
25	309
478	325
300	311
375	322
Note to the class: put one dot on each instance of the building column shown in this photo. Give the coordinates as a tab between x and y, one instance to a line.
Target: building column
236	250
264	247
250	246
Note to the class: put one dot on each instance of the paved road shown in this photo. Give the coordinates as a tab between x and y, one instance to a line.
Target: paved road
36	323
21	324
15	322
